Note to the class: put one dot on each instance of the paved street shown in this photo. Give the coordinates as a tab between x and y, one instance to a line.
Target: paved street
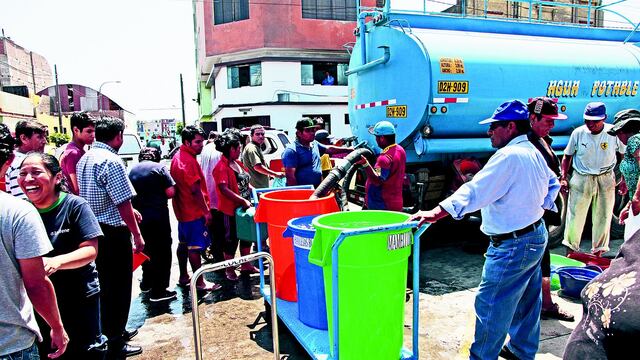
232	326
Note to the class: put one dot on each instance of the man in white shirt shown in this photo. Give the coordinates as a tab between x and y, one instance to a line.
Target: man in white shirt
31	136
592	153
515	181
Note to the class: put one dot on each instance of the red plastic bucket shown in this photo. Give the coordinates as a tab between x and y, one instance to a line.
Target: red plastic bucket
276	208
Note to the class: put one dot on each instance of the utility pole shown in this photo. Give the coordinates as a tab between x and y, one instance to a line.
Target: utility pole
33	72
55	69
184	123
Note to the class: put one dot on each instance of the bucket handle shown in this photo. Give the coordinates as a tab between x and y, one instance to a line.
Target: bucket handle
334	270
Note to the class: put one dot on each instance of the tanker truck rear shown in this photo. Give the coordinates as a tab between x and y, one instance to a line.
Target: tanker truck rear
435	77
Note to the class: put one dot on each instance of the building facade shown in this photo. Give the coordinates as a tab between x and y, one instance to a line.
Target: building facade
19	66
156	129
75	98
266	62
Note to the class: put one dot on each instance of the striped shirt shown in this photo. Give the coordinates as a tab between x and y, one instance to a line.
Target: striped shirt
103	182
11	177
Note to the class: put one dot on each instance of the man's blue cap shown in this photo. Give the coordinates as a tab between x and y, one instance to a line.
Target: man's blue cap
595	111
383	128
514	110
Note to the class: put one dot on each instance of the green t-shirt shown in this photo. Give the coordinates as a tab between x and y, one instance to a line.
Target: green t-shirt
251	157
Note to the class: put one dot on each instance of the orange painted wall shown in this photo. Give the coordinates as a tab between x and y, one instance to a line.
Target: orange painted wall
276	23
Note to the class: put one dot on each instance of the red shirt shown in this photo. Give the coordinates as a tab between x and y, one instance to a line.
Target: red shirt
186	171
224	174
387	194
68	161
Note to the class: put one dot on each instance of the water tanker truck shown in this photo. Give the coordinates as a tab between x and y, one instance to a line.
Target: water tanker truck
435	77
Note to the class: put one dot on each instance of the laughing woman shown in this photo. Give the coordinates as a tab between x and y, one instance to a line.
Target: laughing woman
74	232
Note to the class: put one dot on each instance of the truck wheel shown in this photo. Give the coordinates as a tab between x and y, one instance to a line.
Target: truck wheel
556	232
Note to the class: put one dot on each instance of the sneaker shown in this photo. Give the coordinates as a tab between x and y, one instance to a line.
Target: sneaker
506	354
144	288
163	296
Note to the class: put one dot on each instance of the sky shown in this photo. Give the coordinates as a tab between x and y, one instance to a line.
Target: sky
144	44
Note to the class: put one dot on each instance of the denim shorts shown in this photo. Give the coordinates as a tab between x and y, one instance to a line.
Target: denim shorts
194	234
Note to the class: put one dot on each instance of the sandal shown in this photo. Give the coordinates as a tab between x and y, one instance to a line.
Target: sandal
556	313
231	274
249	269
209	287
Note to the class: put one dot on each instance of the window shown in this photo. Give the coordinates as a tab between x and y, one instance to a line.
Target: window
329	9
244	75
226	11
315	73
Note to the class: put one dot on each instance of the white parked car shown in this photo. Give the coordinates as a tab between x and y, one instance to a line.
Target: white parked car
274	143
130	149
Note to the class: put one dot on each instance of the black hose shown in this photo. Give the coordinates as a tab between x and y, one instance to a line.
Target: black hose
339	172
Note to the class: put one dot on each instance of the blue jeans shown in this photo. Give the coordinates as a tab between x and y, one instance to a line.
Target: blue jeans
510	298
30	353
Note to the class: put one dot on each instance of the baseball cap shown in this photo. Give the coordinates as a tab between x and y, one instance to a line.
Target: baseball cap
514	110
595	111
322	135
622	118
546	107
383	128
305	123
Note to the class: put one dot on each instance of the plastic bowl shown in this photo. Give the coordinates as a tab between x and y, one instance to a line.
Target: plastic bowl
558	261
574	279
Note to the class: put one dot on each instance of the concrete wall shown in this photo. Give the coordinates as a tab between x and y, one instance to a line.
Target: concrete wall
277	77
14	108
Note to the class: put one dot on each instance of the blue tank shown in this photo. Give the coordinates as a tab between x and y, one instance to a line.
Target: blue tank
436	77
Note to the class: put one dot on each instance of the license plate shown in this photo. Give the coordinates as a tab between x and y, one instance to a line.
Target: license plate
453	87
397	111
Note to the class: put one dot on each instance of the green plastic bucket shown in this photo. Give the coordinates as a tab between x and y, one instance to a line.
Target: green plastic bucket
372	274
558	261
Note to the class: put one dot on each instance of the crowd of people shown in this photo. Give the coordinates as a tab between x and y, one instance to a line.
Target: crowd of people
68	255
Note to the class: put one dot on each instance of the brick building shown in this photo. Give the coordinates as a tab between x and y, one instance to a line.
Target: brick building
19	66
